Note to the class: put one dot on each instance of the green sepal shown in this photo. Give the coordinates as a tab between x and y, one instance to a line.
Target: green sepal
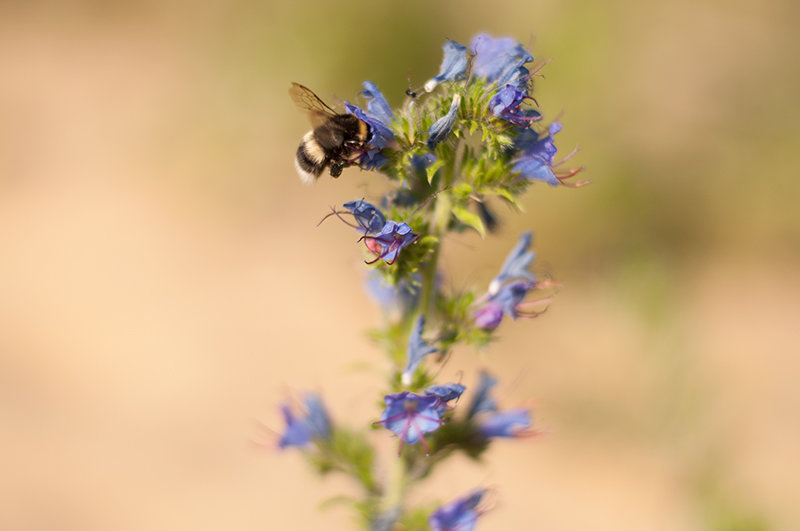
471	219
431	170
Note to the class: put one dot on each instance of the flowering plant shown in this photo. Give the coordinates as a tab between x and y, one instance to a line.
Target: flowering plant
473	133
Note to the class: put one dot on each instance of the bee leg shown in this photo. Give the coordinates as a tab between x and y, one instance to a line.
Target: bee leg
335	169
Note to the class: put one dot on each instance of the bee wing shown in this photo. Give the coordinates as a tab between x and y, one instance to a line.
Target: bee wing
307	101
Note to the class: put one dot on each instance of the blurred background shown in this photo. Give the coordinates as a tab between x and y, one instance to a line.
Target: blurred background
163	285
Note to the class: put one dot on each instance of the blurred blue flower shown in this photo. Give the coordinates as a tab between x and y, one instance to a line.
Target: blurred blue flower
416	351
420	163
370	220
511	295
489	316
500	60
442	128
516	264
445	393
459	515
317	417
508	423
454	65
482	400
509	300
297	431
505	104
301	430
410	416
399	197
536	155
394	300
388	243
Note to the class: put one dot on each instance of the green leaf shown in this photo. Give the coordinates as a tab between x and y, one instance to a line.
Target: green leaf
470	218
428	240
433	168
335	500
504	140
504	193
462	190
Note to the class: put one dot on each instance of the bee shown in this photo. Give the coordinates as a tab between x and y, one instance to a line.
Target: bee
332	142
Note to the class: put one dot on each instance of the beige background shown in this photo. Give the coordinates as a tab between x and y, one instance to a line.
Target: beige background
163	285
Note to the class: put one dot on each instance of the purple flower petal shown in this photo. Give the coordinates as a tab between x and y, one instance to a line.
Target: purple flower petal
500	60
505	104
442	128
482	401
301	430
417	350
410	416
390	241
369	218
536	155
454	65
508	423
459	515
489	316
516	264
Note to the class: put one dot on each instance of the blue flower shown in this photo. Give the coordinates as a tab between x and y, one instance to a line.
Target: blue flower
508	423
390	241
510	296
516	265
442	128
370	220
536	158
459	515
394	300
454	65
509	300
377	106
417	350
506	103
410	416
301	430
379	118
489	316
400	198
500	61
297	431
445	393
420	163
317	418
482	401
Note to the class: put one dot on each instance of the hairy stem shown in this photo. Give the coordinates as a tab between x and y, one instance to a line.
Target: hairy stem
391	508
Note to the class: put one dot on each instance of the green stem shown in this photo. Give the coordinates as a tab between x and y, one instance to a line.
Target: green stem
397	485
441	218
392	505
429	280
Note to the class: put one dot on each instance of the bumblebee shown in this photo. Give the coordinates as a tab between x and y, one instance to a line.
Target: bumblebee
333	141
